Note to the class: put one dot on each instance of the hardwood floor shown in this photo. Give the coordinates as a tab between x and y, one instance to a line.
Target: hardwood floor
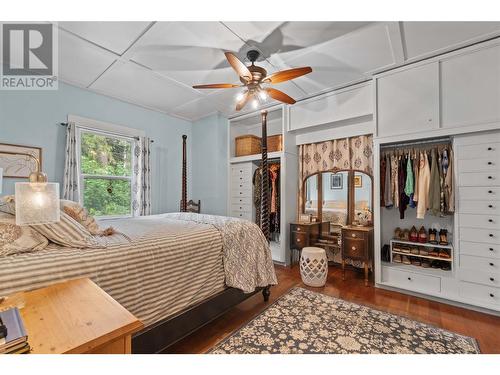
485	328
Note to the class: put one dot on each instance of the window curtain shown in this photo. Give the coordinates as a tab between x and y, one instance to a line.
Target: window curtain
71	181
346	153
141	204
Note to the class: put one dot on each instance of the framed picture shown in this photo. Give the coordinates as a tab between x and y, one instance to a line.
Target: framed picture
19	166
358	181
336	181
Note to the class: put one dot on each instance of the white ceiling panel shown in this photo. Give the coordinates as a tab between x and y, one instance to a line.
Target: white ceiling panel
80	63
196	109
185	46
114	36
139	85
423	39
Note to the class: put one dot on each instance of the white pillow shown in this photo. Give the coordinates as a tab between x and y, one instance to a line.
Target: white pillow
15	239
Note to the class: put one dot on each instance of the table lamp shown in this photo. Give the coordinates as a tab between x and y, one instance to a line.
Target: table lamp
37	201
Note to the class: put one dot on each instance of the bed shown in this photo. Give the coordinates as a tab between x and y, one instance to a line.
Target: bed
158	267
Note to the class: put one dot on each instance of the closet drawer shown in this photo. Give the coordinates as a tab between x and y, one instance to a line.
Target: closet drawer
411	281
299	240
480	277
244	193
244	184
242	171
478	151
482	293
491	265
355	248
241	207
479	221
479	165
479	207
242	200
479	193
480	249
242	215
479	179
480	235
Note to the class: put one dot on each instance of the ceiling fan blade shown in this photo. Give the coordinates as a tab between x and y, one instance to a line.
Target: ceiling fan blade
216	86
237	65
243	101
280	96
286	75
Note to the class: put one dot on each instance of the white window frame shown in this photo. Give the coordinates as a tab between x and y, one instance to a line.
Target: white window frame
84	125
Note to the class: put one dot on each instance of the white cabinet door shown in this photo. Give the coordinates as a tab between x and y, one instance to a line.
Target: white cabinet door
470	88
408	101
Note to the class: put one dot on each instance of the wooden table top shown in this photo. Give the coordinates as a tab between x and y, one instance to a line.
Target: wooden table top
73	317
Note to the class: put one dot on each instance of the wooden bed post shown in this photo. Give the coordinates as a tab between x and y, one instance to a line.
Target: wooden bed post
184	176
264	201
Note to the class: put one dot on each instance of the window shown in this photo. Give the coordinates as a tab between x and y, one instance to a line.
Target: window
106	175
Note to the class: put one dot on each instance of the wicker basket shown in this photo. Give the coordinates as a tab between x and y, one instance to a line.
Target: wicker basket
247	145
274	143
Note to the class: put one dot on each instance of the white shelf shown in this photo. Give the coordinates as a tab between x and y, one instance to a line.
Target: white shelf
419	269
241	159
422	256
425	244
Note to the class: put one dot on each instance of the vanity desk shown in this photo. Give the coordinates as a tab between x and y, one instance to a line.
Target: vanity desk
357	244
306	234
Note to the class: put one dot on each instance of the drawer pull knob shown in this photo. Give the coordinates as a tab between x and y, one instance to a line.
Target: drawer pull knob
489	149
490	191
490	163
490	177
353	248
298	239
490	206
492	264
490	220
241	192
409	278
491	249
492	279
492	295
353	235
491	235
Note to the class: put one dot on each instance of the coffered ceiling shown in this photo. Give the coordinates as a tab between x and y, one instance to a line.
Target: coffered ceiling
154	64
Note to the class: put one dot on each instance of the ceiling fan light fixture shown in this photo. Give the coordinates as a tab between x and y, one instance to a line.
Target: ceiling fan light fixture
240	96
263	95
255	103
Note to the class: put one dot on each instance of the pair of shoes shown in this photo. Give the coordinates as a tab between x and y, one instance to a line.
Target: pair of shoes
413	234
396	258
414	250
426	263
444	254
405	249
443	237
415	262
434	252
422	235
406	260
405	235
433	236
423	252
446	266
397	233
435	264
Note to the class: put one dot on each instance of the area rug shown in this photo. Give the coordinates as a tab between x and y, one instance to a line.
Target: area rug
302	321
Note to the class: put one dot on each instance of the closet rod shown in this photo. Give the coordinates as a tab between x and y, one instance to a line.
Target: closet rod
416	143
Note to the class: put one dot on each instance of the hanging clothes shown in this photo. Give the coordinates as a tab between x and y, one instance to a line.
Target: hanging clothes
434	185
388	186
274	197
409	184
403	198
424	174
394	180
442	207
415	173
448	183
382	181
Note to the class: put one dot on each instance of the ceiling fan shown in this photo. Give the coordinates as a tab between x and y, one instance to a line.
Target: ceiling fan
253	78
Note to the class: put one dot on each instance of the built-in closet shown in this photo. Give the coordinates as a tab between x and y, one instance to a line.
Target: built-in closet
245	173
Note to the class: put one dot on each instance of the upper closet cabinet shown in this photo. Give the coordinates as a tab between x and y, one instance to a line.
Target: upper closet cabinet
470	88
408	100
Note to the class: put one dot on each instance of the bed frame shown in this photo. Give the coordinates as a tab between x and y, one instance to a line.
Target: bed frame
158	337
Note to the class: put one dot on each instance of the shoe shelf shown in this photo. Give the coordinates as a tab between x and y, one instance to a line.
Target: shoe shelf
426	244
422	256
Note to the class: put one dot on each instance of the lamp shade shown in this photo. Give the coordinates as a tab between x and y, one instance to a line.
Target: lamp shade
1	179
37	203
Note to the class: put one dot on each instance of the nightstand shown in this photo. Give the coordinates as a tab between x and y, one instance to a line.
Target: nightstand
357	244
75	317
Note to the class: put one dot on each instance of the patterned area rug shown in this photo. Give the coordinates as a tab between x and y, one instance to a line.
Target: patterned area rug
302	321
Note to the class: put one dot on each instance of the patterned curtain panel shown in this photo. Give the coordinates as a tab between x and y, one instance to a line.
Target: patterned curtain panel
346	153
71	182
141	205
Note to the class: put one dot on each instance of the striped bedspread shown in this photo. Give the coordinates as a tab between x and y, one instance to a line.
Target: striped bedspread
158	266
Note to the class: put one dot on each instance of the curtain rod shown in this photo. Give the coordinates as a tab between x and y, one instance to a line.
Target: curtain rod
136	138
416	143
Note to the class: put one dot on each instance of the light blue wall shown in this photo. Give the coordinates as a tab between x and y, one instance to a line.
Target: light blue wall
31	118
209	173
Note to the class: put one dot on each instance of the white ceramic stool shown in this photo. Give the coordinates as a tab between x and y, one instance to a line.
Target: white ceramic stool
313	266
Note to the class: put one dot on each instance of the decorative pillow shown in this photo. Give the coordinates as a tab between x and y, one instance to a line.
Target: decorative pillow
8	205
15	239
80	214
